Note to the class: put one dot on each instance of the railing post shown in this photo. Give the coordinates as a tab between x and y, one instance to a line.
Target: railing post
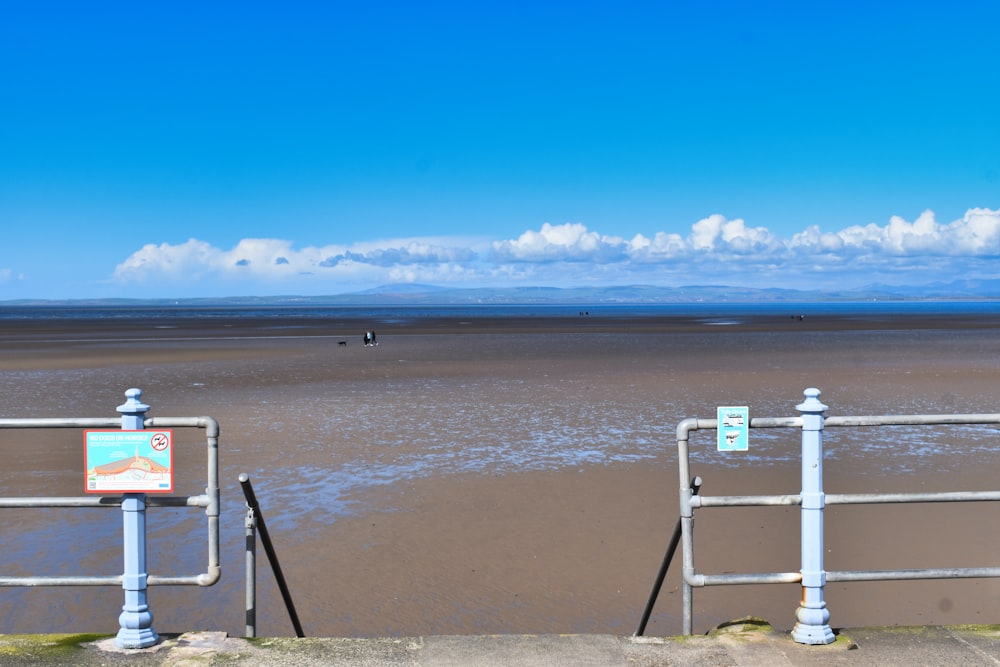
136	619
251	572
813	616
265	538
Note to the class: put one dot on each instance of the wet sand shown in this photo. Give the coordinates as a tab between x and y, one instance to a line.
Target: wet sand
504	476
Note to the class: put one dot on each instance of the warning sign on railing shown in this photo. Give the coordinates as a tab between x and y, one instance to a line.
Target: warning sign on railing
734	429
129	461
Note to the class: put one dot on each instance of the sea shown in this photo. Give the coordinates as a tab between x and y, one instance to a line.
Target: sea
873	309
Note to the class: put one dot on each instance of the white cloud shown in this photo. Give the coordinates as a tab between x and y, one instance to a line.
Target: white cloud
662	246
977	233
571	242
409	252
171	261
716	234
817	240
278	262
716	249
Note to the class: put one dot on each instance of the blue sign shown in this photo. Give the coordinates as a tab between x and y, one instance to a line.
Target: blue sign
734	429
129	461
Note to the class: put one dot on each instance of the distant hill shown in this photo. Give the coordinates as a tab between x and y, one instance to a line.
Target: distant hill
416	294
957	289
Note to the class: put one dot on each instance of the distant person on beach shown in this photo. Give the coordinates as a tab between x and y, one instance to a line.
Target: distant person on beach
370	340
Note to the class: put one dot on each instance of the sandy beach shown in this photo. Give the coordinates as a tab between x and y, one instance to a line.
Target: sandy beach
496	475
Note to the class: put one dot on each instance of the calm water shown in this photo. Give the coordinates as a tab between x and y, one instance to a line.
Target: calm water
858	309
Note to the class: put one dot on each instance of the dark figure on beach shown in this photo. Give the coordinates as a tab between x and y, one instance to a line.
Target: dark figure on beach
370	340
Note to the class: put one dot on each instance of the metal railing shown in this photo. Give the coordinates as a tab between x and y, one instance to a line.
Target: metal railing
668	558
136	619
255	523
812	626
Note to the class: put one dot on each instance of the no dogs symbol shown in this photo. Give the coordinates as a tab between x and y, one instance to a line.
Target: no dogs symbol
159	441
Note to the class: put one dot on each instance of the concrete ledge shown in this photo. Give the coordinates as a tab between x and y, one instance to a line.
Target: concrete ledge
747	642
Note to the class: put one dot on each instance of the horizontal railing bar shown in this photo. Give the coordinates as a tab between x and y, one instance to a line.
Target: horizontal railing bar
847	499
62	581
745	579
862	420
109	580
63	422
69	501
178	501
772	422
932	573
105	501
104	422
940	497
744	501
163	580
755	422
911	420
207	423
843	576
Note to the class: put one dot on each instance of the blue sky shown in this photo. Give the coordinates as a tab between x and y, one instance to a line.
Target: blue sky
211	149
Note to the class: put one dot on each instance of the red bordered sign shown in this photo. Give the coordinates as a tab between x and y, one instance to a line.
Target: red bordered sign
129	461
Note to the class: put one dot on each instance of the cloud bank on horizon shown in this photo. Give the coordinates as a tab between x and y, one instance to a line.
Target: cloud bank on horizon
717	250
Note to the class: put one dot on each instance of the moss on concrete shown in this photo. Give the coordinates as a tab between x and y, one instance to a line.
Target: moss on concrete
741	626
753	627
985	630
45	646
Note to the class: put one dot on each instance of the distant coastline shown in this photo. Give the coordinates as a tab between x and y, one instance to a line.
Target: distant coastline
425	295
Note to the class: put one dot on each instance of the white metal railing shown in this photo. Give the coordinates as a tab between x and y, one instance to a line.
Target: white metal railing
812	616
136	619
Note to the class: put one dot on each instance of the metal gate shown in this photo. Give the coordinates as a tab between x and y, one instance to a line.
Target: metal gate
136	619
812	616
